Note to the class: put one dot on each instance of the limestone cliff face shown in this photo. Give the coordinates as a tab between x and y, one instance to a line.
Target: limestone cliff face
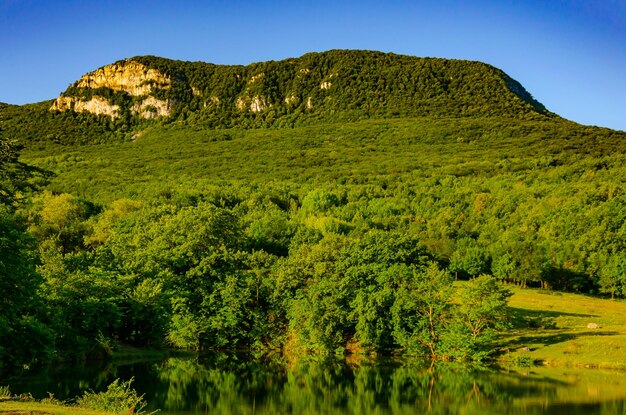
254	104
96	105
129	77
152	108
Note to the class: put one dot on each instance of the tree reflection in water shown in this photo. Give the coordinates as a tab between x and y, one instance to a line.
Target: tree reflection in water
242	384
220	384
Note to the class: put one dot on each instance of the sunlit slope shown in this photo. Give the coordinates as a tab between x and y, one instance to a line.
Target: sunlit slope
559	330
387	153
114	102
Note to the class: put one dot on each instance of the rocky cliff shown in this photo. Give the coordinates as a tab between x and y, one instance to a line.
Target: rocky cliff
127	77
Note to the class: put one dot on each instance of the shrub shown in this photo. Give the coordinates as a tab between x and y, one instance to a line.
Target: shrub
119	398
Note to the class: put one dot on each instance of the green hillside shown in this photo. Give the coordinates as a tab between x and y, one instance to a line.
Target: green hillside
204	208
334	86
344	84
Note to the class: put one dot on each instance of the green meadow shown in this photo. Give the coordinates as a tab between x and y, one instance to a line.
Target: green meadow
557	332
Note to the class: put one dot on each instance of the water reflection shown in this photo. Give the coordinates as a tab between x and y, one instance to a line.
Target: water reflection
240	384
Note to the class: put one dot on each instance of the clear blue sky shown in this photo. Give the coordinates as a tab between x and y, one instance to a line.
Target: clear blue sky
570	54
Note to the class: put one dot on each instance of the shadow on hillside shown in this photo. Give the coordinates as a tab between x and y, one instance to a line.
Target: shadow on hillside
552	338
524	313
539	319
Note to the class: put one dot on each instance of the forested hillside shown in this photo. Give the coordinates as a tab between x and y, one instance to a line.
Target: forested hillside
340	227
115	101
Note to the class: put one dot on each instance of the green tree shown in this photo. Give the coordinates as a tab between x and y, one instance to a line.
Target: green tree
469	260
59	221
503	268
23	338
422	310
15	177
320	294
613	276
195	252
482	309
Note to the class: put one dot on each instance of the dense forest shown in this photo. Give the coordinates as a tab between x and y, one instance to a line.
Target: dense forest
344	228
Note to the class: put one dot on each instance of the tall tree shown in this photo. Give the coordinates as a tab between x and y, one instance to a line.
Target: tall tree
23	339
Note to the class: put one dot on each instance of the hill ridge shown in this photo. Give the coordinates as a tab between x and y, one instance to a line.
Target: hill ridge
344	83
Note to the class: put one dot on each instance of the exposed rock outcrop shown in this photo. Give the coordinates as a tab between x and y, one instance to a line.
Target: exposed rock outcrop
96	105
255	78
254	104
63	104
291	100
151	108
128	76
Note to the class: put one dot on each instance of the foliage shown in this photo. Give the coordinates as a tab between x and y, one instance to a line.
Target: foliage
337	85
119	398
613	275
24	340
337	227
422	310
482	311
16	177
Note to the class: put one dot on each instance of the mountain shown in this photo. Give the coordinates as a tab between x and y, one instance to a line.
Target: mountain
339	82
338	85
309	204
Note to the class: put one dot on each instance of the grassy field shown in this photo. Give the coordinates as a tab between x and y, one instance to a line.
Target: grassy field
557	333
38	408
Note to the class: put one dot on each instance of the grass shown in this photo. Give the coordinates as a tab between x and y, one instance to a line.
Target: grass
119	398
556	332
38	408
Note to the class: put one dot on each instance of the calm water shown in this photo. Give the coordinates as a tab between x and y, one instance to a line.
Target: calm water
223	384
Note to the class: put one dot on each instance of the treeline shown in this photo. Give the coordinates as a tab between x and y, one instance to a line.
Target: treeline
215	272
532	203
243	268
35	123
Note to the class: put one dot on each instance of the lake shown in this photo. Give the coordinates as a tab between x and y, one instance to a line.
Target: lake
242	384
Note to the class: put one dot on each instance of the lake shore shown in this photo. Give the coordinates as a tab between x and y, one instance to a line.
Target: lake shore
550	328
13	407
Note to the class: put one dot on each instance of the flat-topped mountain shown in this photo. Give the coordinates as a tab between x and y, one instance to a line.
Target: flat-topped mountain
339	83
119	100
312	204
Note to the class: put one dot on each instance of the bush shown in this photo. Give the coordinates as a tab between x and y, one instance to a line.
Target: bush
119	398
